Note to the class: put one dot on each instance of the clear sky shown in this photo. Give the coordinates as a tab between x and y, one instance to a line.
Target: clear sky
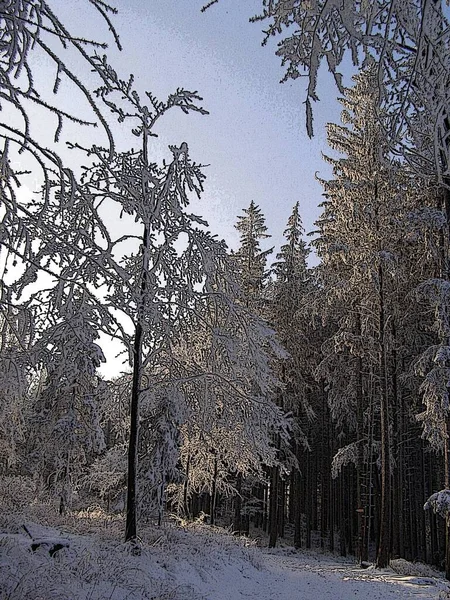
254	139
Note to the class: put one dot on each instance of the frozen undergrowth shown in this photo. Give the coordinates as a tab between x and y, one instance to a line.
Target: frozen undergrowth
184	562
97	565
404	567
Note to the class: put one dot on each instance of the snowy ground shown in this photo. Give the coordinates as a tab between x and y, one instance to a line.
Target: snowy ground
309	576
193	563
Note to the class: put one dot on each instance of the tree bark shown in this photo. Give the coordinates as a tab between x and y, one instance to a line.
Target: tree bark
383	553
237	519
273	507
212	517
130	528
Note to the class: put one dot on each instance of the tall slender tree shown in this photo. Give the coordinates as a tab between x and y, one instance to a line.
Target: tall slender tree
252	274
289	293
251	261
358	246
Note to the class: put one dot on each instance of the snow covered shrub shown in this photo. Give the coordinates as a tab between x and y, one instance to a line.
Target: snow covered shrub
107	475
404	567
440	503
16	492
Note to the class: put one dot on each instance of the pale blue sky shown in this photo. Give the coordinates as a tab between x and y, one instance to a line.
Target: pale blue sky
254	138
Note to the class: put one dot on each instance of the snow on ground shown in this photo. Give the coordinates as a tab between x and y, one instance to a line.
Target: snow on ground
311	576
190	563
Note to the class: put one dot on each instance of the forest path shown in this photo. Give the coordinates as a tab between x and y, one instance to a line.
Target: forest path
317	577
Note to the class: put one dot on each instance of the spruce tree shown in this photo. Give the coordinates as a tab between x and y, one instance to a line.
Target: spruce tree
250	263
357	251
288	295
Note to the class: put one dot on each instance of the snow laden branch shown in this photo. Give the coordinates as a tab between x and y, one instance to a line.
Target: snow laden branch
409	42
433	365
32	26
439	503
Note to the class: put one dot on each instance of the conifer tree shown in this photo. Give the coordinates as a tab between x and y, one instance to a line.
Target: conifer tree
357	248
288	294
378	239
250	259
252	275
63	421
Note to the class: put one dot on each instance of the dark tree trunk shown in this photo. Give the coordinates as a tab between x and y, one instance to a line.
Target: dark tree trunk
130	529
186	489
237	517
308	495
446	274
385	518
447	486
265	507
213	495
130	526
384	543
281	506
273	507
297	509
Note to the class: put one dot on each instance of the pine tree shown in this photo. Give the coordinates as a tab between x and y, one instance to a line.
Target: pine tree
64	424
288	294
16	338
250	259
252	274
360	250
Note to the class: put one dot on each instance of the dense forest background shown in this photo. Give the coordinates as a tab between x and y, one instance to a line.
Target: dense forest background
310	403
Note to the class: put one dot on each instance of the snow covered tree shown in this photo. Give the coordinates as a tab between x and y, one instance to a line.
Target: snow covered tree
288	295
33	30
64	424
365	274
434	367
293	281
252	274
229	388
250	259
16	337
106	476
409	42
164	288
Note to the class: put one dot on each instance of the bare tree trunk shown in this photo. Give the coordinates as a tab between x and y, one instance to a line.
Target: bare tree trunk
130	528
447	486
446	274
307	490
385	512
297	509
186	488
213	495
237	518
281	506
273	507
